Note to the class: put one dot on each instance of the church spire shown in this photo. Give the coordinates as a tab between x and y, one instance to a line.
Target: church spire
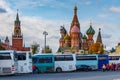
75	21
75	10
99	39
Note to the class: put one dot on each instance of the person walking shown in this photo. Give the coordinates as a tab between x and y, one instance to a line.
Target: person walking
116	68
34	69
103	67
107	67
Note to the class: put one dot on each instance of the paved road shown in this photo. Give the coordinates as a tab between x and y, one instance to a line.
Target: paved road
95	75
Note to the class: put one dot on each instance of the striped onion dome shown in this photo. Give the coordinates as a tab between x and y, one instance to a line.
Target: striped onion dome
90	30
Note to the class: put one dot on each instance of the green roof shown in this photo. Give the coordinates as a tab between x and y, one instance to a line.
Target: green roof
84	37
90	30
59	49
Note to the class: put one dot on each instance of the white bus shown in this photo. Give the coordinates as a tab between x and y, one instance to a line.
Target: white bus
8	62
114	58
24	61
65	62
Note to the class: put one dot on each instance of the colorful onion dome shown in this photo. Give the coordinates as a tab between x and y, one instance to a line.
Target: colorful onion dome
67	37
90	30
84	37
75	29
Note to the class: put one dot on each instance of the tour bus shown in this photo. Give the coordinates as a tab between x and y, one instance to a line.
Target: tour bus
65	62
24	61
43	63
8	62
114	58
102	59
87	60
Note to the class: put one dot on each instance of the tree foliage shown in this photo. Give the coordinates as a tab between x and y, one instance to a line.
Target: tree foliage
96	48
2	48
47	50
35	47
112	50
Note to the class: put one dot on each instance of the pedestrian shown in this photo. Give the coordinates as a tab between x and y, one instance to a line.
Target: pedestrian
103	67
111	66
33	69
116	68
107	67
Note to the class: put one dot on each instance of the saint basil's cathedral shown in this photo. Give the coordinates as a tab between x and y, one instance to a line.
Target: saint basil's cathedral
75	41
17	38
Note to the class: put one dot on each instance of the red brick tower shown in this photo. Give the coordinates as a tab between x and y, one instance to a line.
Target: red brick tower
17	37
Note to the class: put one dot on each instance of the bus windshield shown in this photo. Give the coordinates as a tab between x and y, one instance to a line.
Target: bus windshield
21	56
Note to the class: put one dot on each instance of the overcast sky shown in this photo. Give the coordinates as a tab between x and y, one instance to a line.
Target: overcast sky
37	16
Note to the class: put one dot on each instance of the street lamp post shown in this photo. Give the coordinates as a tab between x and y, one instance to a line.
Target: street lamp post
45	34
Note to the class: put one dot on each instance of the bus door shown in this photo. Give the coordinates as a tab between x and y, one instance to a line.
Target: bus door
102	59
22	63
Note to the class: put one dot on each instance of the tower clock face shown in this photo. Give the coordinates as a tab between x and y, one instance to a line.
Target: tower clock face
17	31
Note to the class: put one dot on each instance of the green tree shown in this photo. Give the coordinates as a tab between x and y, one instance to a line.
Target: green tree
101	49
35	47
2	48
47	50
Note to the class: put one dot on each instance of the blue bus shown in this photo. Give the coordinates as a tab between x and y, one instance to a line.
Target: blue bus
102	59
43	63
88	60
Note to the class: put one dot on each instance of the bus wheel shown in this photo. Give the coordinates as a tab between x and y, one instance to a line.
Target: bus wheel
58	70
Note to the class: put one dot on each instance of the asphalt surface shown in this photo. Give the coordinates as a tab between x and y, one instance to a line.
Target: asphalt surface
93	75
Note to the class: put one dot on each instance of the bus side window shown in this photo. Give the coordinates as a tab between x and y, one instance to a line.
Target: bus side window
68	58
42	60
49	60
34	60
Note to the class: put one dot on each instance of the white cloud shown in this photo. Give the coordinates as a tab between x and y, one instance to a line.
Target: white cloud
102	16
85	2
114	9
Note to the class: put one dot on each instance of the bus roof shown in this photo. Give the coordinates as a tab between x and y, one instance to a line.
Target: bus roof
7	50
41	54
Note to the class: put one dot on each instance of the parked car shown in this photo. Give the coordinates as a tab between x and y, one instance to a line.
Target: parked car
84	68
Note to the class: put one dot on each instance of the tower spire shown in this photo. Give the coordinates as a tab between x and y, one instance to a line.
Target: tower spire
75	10
90	23
75	21
17	16
99	39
